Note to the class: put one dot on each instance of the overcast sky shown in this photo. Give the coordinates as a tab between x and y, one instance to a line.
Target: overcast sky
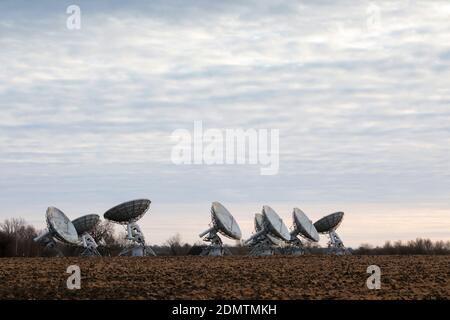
360	93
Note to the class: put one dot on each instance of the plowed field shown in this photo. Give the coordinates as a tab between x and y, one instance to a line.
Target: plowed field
278	277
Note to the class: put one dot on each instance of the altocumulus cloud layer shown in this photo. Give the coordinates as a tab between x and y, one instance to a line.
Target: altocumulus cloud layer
360	94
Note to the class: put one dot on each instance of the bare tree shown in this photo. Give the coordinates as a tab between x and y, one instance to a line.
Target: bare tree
12	226
104	231
5	244
17	238
176	248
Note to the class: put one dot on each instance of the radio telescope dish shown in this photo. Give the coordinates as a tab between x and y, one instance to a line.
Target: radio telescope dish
275	224
265	243
75	232
271	230
303	227
328	225
84	225
329	222
128	213
224	221
221	222
259	224
60	227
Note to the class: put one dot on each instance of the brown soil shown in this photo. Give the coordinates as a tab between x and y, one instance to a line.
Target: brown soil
279	277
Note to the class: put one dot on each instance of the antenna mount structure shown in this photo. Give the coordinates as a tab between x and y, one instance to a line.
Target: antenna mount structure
216	244
262	244
89	245
328	225
48	242
335	244
270	233
84	225
128	213
296	247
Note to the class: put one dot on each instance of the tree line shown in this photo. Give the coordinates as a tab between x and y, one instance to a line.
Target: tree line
418	246
16	240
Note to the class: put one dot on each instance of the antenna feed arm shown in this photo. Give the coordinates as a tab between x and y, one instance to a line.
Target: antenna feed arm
255	235
204	233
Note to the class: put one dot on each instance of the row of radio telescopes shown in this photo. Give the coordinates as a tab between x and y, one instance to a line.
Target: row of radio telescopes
270	231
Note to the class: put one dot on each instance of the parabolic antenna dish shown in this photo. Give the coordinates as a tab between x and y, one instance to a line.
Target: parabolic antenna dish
329	222
275	224
128	212
86	223
304	226
61	227
224	221
259	224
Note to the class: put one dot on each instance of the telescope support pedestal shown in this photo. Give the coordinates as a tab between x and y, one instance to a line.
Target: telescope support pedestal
335	245
296	247
216	246
90	246
49	243
137	248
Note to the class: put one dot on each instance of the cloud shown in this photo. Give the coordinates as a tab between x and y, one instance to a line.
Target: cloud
362	114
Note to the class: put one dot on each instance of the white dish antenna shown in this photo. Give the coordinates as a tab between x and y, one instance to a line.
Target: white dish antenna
128	213
60	227
272	225
221	222
303	226
265	243
328	225
75	232
275	224
259	225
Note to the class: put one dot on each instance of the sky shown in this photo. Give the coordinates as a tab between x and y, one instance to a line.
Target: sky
359	91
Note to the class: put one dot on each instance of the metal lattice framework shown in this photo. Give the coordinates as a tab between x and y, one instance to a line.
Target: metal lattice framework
329	222
89	245
84	225
128	212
